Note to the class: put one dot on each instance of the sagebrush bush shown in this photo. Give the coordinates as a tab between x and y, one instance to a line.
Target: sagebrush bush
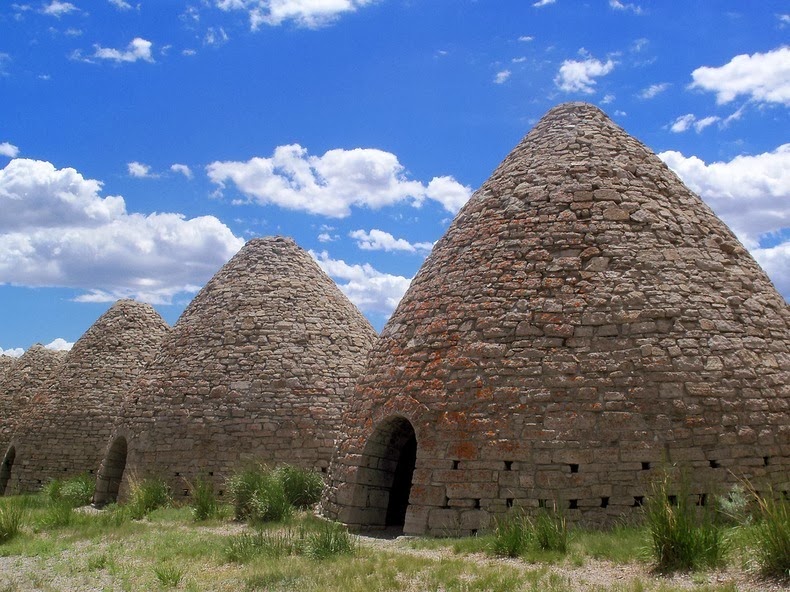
302	487
683	535
146	495
78	491
12	517
74	492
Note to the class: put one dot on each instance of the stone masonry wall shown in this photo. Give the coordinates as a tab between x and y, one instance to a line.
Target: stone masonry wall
259	367
585	320
25	376
65	428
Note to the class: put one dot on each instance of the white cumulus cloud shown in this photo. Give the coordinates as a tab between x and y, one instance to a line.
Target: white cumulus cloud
502	76
14	352
9	150
182	169
304	13
331	184
121	4
541	3
57	230
617	5
762	77
138	49
379	240
371	290
139	170
580	75
58	9
653	90
689	120
751	193
60	344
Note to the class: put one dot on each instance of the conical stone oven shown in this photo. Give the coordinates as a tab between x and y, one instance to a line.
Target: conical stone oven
585	320
23	378
259	367
65	427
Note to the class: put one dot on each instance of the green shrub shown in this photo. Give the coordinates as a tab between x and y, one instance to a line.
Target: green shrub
51	490
329	540
145	496
74	492
259	495
683	535
269	502
735	507
772	535
12	516
302	487
78	491
242	487
204	501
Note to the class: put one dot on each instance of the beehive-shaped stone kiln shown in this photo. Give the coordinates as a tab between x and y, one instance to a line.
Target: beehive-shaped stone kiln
66	426
25	376
5	365
585	319
260	366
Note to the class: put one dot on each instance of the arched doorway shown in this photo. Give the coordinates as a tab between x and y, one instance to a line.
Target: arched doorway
108	483
385	473
5	469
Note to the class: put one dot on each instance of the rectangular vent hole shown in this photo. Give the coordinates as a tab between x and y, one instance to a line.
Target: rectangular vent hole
574	467
573	504
543	503
765	460
714	464
673	500
455	464
508	465
702	499
509	502
477	504
645	465
604	502
639	500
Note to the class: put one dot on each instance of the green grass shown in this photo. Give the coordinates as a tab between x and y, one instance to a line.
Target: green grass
204	501
11	519
168	550
302	487
771	535
683	535
146	495
520	535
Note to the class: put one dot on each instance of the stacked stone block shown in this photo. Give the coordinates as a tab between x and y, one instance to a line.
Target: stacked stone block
26	376
65	429
259	368
585	320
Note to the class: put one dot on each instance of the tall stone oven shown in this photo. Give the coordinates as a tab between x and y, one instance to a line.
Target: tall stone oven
585	320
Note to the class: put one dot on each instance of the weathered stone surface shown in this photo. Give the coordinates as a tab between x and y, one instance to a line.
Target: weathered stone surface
260	366
65	428
19	381
583	301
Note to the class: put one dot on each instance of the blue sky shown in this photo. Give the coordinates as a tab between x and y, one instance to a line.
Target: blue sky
141	142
